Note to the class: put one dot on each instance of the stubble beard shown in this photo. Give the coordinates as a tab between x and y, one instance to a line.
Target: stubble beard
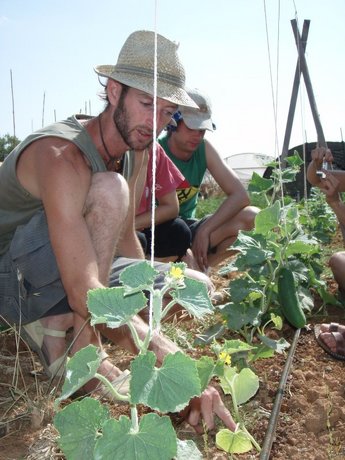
121	121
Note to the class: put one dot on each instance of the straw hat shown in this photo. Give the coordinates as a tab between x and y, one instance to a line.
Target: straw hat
135	67
198	118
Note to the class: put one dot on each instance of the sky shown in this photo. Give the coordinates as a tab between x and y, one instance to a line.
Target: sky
242	53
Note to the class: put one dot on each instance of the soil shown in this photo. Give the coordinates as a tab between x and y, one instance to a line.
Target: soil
310	422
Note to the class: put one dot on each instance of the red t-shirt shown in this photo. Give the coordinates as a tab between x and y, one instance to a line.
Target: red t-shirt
168	178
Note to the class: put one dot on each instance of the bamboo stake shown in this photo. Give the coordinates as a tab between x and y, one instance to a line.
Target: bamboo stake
44	101
13	115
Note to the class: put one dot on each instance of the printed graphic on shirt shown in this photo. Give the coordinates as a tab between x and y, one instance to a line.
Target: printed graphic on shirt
186	192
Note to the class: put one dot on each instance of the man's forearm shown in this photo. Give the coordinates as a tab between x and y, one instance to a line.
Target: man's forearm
163	213
339	210
312	177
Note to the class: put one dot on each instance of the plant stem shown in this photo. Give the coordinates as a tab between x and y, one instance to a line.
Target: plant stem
138	342
134	419
255	444
112	390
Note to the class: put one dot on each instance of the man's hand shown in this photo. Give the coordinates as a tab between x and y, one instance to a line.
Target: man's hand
321	154
329	185
200	247
201	411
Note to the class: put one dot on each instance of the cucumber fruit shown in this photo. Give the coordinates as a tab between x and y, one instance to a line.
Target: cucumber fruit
288	299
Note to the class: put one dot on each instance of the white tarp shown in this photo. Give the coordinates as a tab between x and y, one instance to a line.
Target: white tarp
244	164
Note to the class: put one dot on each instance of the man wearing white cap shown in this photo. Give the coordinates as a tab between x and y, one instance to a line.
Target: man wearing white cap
193	155
65	211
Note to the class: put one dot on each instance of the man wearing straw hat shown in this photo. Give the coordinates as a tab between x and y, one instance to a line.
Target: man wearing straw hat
65	212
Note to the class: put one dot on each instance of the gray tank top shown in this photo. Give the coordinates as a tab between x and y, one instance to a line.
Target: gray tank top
17	206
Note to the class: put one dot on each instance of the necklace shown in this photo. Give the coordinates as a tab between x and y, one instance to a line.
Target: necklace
113	163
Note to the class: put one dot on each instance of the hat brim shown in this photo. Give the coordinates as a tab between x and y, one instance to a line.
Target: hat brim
165	90
198	121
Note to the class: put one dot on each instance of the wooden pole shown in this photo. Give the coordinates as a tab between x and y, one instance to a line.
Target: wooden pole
304	69
44	101
302	44
13	115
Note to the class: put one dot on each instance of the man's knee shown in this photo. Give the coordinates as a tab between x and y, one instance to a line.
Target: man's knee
337	262
249	214
108	191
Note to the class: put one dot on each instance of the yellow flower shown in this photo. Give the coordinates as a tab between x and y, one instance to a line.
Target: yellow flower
176	272
225	357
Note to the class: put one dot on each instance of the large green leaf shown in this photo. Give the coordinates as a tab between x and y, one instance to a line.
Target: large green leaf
194	298
248	239
259	199
294	160
234	443
267	219
139	276
240	315
207	368
155	439
168	388
289	218
187	450
305	245
259	184
80	369
242	385
235	346
78	425
210	334
240	288
253	256
253	250
113	307
278	345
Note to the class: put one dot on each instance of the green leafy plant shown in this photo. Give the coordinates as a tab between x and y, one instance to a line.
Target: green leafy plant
85	427
317	216
242	384
279	241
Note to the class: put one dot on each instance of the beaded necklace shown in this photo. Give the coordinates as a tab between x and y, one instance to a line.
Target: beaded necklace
113	163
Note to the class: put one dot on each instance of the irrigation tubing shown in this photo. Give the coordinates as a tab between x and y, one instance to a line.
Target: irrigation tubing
268	441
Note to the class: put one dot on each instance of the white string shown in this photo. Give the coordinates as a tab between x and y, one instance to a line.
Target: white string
272	86
274	103
154	155
277	70
154	144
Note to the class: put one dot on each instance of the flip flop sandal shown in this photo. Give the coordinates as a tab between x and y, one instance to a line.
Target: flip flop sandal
333	327
33	334
338	337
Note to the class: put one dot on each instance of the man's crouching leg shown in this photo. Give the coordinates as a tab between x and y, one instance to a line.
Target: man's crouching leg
105	213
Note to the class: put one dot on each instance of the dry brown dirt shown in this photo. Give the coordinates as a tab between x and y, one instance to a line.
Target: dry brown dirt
310	425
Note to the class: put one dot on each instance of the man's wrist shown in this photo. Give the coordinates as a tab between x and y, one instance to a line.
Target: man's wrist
334	202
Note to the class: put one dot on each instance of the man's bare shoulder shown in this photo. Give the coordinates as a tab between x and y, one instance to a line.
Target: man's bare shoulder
50	157
53	150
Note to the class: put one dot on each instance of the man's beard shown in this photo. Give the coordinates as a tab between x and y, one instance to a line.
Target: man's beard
121	121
